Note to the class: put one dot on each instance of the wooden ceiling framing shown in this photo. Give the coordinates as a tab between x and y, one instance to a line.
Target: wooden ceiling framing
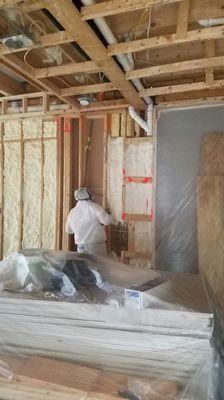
174	55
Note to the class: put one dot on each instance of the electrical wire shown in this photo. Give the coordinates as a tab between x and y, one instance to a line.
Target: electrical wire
37	21
22	19
25	59
142	17
62	80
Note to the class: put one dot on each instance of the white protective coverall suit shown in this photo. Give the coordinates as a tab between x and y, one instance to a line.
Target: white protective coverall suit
85	221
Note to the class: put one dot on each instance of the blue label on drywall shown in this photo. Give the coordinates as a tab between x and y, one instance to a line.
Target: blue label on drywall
133	294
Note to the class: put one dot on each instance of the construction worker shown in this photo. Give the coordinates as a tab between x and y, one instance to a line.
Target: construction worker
86	222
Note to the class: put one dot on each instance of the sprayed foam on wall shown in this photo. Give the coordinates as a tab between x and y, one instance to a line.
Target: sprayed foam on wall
114	176
133	160
49	201
32	128
11	209
12	130
50	129
32	195
29	215
138	159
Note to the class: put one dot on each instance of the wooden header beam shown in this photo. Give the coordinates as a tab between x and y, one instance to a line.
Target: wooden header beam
176	67
113	7
187	87
67	69
85	89
166	40
69	17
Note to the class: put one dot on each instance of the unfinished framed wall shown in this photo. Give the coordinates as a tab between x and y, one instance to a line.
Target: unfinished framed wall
130	187
28	173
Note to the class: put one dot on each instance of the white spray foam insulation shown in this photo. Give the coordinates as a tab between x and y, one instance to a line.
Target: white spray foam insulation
11	210
143	236
50	129
138	159
114	178
50	192
138	198
12	129
32	195
32	128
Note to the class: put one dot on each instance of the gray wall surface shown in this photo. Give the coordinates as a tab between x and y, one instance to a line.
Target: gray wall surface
179	138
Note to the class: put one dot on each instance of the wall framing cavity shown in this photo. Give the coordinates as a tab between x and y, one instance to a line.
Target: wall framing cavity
28	184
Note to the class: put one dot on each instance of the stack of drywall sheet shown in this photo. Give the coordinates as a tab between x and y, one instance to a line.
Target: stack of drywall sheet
36	376
170	341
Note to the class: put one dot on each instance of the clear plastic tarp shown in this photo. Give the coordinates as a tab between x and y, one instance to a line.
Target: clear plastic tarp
149	336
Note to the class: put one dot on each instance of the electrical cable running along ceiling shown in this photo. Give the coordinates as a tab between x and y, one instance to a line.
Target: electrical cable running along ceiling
170	52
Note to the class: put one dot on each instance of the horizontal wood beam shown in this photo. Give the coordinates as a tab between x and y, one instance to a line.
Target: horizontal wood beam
67	69
85	89
105	105
113	7
56	38
166	40
7	3
201	101
173	68
51	39
31	6
156	91
69	17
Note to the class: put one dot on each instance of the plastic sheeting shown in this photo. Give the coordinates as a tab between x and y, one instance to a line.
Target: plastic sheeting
75	351
179	164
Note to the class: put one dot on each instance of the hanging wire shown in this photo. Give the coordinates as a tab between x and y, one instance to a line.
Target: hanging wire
142	17
62	80
22	19
25	59
36	22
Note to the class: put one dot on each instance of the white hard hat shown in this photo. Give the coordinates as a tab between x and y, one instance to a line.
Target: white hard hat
82	194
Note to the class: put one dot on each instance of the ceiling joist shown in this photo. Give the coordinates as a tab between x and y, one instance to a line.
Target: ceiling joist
113	7
86	89
187	87
182	19
166	40
174	68
69	17
67	69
